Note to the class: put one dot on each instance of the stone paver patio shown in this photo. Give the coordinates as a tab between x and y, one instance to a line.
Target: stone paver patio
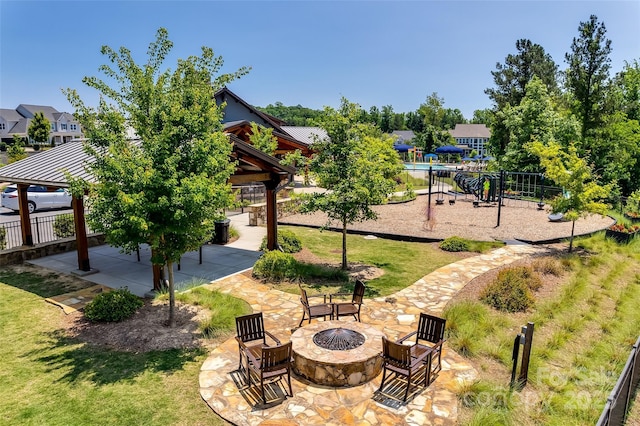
222	387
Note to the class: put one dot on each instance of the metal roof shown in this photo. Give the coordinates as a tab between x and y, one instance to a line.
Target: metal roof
47	167
305	134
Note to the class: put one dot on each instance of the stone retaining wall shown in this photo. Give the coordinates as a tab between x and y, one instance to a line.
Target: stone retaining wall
258	211
21	254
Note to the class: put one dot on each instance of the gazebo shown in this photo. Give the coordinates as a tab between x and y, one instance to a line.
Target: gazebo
48	169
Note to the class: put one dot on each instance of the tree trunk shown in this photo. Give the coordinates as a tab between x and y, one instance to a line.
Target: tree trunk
172	296
573	226
344	246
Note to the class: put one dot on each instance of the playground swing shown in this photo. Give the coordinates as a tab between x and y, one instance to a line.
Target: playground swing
440	188
453	194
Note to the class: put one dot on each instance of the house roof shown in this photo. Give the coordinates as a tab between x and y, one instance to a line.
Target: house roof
404	135
305	134
10	114
286	142
47	167
224	94
47	111
470	131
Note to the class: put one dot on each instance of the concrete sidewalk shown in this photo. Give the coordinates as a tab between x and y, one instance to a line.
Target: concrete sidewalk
114	269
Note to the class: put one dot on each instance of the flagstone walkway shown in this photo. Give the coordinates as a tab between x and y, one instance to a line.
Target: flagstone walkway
223	389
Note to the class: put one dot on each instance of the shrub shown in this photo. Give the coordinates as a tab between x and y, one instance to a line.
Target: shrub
36	147
454	244
506	297
548	265
287	240
511	291
113	306
64	226
526	274
3	238
276	265
3	146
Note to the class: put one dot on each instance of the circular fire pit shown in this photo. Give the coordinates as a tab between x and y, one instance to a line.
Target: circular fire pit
338	339
357	362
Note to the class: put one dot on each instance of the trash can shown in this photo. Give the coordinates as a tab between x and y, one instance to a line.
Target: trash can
221	230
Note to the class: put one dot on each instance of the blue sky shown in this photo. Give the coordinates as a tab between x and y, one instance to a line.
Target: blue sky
306	52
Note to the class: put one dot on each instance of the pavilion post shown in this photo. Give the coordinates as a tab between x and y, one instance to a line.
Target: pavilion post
81	234
272	214
25	219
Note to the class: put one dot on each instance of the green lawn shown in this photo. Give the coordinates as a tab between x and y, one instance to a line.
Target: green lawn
403	262
49	379
583	337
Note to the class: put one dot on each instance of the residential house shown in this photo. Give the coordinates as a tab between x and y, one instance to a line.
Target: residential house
403	136
64	126
472	137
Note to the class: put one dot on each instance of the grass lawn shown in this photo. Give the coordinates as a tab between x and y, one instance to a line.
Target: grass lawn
49	379
583	336
403	262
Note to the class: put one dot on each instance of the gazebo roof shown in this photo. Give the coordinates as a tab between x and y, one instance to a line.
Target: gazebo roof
47	168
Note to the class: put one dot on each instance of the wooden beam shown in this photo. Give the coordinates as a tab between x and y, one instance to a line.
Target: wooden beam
272	214
250	177
25	220
81	234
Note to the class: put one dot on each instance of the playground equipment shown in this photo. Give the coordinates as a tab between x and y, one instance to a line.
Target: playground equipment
440	188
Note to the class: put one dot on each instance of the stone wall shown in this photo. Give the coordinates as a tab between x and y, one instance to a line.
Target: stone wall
258	212
21	254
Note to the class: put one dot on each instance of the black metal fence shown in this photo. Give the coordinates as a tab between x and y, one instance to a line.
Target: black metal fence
44	229
617	406
245	195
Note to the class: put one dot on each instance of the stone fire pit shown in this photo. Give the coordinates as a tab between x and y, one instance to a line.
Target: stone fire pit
329	367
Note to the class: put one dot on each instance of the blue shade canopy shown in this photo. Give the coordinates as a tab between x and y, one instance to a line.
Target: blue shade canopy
431	156
478	157
467	159
401	147
488	158
449	149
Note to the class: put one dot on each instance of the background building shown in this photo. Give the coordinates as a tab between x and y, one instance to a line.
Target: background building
64	126
474	136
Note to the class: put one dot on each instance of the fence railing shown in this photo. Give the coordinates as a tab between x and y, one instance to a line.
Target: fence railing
42	227
245	195
617	406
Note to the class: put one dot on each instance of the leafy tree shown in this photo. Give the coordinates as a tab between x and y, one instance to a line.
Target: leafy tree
535	118
357	166
374	116
615	152
511	79
582	194
452	117
16	151
588	72
432	137
398	121
39	129
386	119
482	116
299	161
432	110
627	84
415	121
167	190
292	115
262	138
